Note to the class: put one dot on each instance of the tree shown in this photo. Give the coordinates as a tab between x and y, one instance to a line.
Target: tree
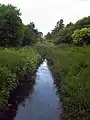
83	23
48	36
64	35
31	34
81	37
11	27
59	26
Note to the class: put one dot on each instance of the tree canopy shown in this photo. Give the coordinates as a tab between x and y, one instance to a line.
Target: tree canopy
11	27
12	31
63	33
31	34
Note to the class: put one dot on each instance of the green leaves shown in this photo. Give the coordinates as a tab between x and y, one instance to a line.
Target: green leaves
71	67
31	34
81	37
11	30
14	65
8	82
63	33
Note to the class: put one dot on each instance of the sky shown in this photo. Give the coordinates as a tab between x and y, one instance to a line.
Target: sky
46	13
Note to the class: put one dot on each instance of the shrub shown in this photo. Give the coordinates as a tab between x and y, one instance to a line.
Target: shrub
15	64
81	37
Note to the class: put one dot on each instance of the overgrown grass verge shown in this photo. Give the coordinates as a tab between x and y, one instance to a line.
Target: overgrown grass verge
16	65
72	67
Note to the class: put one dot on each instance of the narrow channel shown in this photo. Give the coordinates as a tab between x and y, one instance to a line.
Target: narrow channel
42	103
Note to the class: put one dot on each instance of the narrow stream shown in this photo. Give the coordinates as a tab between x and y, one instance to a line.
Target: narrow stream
41	102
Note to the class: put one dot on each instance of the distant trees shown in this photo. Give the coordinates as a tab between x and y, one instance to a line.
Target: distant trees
12	31
59	26
48	36
83	23
77	33
64	35
31	34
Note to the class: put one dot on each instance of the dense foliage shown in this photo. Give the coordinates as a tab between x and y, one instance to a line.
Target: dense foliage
15	66
81	37
63	34
11	27
15	63
71	64
31	34
12	31
71	67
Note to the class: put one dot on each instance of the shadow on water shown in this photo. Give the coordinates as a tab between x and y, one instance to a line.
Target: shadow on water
18	97
36	101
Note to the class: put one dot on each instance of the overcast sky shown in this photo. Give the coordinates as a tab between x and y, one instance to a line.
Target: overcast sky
46	13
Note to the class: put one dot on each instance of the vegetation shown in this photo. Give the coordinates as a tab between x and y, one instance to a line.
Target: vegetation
11	27
13	32
63	34
16	65
81	37
31	34
71	64
71	67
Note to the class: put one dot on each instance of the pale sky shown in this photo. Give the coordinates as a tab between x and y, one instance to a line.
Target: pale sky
46	13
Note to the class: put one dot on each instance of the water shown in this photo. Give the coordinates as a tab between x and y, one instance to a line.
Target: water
40	102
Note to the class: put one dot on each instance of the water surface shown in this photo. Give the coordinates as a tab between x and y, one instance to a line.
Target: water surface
39	103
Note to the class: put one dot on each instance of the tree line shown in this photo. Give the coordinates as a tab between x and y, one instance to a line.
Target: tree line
12	30
77	33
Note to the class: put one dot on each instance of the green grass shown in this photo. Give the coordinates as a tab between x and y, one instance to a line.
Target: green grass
14	65
72	67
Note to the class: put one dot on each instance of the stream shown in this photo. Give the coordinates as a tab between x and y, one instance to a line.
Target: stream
39	101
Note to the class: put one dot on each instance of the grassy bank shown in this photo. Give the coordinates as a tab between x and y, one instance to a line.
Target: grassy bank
72	67
16	65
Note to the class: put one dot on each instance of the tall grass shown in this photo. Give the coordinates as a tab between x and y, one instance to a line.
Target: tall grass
72	67
15	64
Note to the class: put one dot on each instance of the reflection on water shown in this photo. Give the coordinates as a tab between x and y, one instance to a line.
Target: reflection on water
36	102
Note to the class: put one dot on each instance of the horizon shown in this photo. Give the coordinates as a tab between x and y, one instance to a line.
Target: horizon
46	14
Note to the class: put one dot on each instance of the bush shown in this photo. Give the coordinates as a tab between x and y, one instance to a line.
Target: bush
81	37
15	64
